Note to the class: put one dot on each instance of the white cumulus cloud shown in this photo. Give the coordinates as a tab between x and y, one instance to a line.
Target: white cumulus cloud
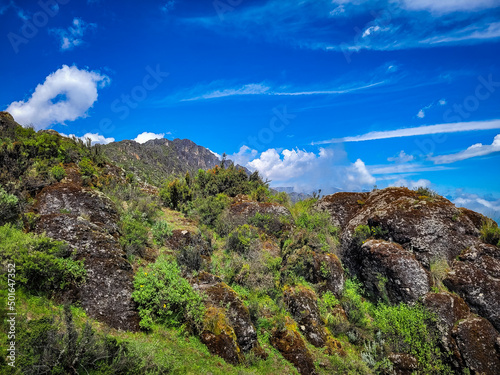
402	157
66	94
306	171
473	151
147	136
95	138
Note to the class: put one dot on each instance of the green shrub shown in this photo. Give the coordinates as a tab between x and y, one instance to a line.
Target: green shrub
327	303
87	167
490	233
361	234
425	192
209	209
42	264
8	206
161	230
261	194
406	329
55	345
164	296
268	222
355	306
175	194
58	172
241	239
134	236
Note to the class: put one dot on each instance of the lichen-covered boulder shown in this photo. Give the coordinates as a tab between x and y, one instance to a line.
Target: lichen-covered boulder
429	227
290	344
302	304
236	315
479	344
329	273
449	308
342	207
304	255
389	271
403	364
219	336
86	220
475	276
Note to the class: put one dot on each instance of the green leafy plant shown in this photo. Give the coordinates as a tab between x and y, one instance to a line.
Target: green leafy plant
354	304
42	264
8	206
361	234
406	329
164	296
241	239
87	167
490	233
134	238
58	172
161	230
175	194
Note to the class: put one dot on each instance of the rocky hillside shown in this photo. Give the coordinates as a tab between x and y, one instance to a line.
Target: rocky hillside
216	273
157	159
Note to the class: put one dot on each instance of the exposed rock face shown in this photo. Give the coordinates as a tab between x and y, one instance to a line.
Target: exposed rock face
405	280
306	257
404	364
219	336
479	344
302	304
291	345
449	309
430	227
235	315
329	273
476	277
87	221
342	206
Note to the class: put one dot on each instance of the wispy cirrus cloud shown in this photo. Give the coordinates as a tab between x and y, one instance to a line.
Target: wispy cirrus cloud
73	35
473	151
417	131
392	25
218	90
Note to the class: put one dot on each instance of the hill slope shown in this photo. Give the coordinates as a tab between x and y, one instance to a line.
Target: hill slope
157	159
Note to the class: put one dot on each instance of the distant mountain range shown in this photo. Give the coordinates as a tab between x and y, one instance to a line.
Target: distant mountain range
157	159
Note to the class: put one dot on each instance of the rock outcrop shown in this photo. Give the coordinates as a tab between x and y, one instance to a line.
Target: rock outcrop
389	271
302	305
86	220
475	276
290	344
228	330
429	227
479	344
449	309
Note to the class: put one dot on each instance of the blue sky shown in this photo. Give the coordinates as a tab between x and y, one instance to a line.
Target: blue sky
332	94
